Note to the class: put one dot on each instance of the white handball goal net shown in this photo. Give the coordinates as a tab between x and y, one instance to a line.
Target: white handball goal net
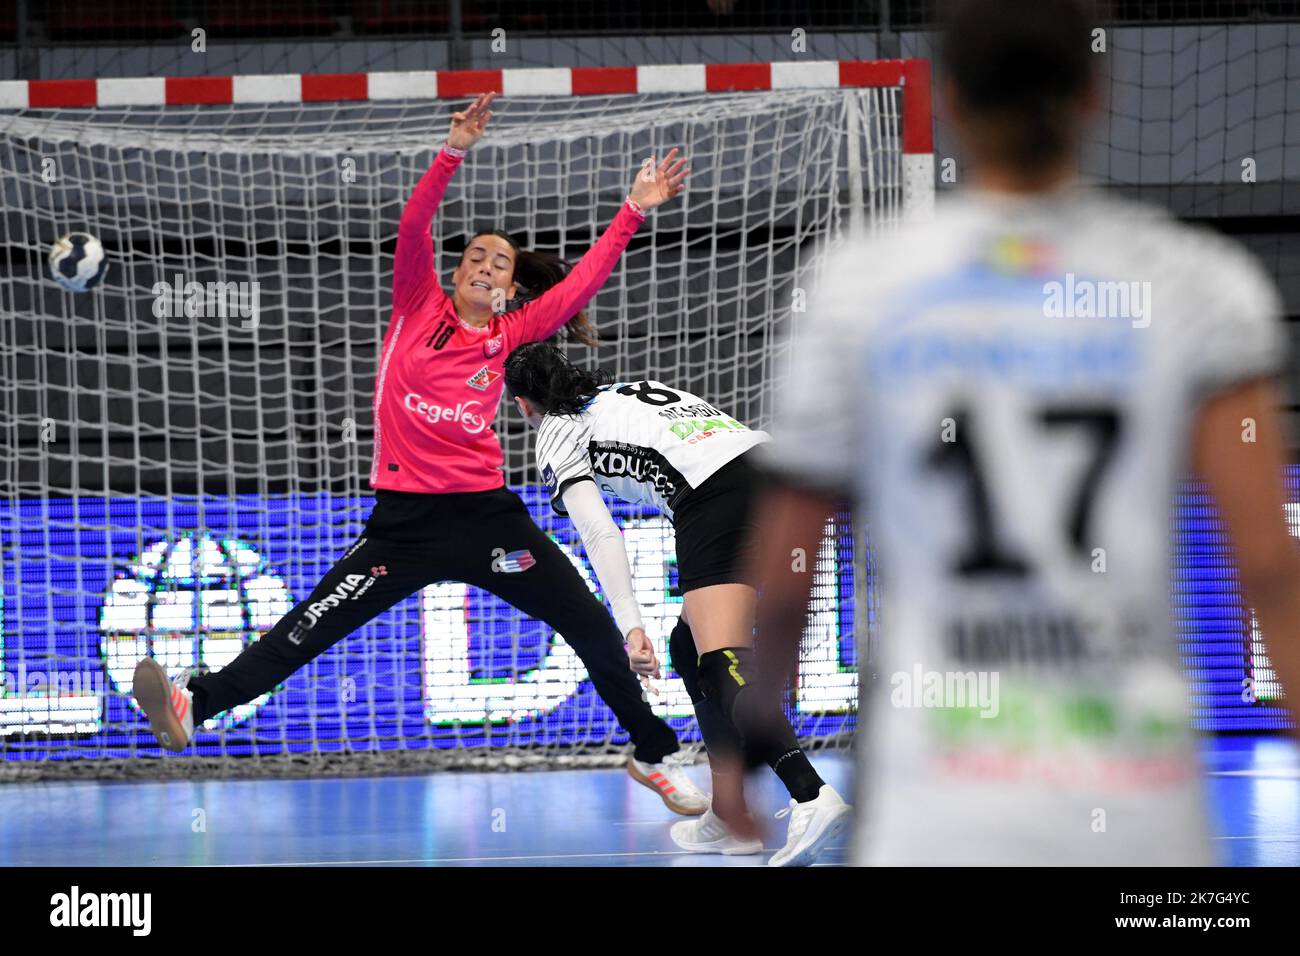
188	444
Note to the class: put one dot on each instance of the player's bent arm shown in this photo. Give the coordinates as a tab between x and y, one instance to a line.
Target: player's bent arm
1245	479
605	550
791	517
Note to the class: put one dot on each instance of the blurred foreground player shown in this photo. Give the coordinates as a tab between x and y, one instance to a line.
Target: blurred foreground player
1013	393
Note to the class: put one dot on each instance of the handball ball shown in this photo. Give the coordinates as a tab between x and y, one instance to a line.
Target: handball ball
78	262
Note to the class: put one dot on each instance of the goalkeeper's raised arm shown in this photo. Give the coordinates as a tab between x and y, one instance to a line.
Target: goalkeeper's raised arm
534	293
414	273
567	292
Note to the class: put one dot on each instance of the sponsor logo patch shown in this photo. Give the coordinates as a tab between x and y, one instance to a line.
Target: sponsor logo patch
483	378
468	414
692	430
494	345
638	467
513	562
377	572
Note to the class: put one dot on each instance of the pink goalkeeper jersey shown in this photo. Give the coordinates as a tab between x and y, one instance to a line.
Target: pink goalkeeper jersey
440	379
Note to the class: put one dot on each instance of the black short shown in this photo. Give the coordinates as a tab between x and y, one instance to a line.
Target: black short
715	526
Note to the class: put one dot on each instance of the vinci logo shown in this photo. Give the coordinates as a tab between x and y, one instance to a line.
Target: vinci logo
189	601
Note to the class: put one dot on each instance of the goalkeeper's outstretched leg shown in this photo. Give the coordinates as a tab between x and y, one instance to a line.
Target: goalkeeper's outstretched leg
411	541
373	575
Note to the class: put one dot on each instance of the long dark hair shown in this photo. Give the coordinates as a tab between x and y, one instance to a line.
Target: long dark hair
1020	66
541	374
535	272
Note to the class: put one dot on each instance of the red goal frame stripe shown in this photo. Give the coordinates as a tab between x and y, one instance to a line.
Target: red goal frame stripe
733	77
57	94
195	90
461	83
603	80
329	87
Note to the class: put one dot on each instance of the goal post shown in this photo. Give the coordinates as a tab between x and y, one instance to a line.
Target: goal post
190	442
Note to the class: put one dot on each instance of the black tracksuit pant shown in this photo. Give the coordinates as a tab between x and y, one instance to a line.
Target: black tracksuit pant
413	540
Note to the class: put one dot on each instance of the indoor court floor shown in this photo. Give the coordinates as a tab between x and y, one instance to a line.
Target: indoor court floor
546	818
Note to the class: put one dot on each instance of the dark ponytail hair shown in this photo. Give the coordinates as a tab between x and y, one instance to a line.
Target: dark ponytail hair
541	374
1020	67
535	272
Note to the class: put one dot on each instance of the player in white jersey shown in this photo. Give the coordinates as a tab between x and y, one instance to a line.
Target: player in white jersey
653	444
1011	393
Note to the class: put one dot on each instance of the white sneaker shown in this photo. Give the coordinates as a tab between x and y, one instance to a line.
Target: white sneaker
668	779
167	703
812	826
708	834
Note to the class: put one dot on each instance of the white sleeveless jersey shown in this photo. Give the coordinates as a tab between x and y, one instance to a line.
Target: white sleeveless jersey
644	442
1008	391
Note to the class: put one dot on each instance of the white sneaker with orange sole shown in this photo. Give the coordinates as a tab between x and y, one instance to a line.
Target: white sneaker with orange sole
668	779
167	703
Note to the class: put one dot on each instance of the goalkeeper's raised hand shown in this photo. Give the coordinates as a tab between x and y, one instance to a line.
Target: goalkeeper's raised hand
468	126
659	183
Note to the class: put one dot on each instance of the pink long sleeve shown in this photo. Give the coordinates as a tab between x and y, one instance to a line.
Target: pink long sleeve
414	274
542	317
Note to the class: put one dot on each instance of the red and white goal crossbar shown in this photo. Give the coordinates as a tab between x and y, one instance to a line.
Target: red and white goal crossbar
912	77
